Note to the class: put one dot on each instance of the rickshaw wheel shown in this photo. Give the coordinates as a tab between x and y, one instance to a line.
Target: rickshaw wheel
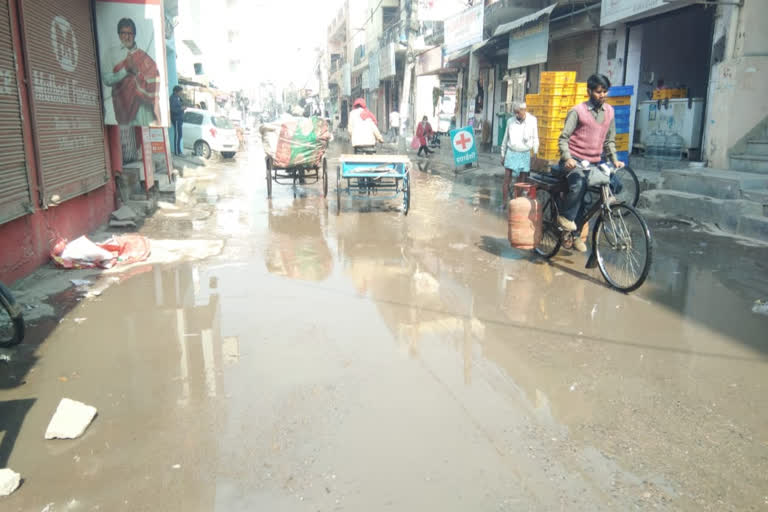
325	178
268	162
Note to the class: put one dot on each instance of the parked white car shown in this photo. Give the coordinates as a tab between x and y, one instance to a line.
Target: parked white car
204	132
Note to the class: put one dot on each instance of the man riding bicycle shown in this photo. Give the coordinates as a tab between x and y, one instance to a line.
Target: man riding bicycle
364	133
589	131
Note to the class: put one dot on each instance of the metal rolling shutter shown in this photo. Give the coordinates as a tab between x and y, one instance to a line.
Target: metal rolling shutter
66	104
15	199
577	53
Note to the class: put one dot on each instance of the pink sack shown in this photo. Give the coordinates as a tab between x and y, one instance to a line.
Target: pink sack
415	142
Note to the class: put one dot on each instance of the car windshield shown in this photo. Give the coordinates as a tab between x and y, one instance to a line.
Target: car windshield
221	122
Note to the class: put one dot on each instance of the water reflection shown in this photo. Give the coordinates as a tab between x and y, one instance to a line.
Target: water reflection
297	247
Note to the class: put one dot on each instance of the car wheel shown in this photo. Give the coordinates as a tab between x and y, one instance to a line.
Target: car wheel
202	149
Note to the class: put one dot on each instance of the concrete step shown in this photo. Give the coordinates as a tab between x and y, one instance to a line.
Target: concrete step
750	163
753	226
757	147
724	213
758	196
717	183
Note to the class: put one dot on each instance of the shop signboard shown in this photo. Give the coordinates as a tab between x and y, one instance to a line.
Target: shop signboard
438	10
373	70
132	62
464	29
464	147
528	39
346	80
613	11
429	61
387	62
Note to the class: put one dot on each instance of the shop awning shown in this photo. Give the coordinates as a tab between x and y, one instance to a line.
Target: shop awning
532	19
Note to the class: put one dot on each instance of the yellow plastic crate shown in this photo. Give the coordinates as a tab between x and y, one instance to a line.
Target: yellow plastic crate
551	131
551	122
549	154
618	101
622	141
551	111
580	89
556	89
558	77
557	101
532	100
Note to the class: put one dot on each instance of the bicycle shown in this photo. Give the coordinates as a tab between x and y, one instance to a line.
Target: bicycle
624	185
11	319
622	246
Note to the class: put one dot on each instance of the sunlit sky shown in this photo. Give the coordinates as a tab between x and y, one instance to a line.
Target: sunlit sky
280	37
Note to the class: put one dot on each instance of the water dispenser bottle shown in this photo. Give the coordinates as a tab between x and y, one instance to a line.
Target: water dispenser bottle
654	145
673	147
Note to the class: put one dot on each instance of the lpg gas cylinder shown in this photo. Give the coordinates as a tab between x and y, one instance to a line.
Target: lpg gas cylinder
524	214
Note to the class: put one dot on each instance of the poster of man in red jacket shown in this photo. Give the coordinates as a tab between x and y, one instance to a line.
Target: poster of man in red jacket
132	71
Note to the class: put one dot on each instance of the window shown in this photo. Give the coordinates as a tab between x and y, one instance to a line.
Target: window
193	118
221	122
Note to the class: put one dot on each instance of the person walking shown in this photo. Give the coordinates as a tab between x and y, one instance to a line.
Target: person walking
520	138
423	134
394	125
177	119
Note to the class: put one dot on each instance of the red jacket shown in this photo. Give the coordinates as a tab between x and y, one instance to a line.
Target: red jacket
422	133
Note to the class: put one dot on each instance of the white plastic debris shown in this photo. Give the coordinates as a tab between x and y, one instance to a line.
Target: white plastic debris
760	307
80	320
80	282
70	420
594	311
9	481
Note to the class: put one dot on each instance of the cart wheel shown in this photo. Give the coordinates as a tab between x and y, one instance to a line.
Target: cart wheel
325	178
406	194
338	190
268	162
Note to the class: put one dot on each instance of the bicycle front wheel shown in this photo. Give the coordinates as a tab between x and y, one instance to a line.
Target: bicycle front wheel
623	247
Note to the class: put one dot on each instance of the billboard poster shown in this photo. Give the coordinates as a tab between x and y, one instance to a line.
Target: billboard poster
132	62
464	29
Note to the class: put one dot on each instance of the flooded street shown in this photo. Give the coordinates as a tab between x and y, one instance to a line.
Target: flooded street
376	361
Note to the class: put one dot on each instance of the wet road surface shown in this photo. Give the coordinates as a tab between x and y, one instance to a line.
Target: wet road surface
373	361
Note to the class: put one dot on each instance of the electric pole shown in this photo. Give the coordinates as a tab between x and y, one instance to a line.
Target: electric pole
411	27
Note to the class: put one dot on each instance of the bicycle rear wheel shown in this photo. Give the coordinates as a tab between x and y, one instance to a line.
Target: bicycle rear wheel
548	243
623	247
11	319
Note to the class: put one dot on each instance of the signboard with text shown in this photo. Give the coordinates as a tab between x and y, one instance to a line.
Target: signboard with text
429	61
464	147
387	62
613	11
528	45
464	29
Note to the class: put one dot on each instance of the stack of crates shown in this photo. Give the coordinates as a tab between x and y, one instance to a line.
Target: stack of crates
620	97
557	94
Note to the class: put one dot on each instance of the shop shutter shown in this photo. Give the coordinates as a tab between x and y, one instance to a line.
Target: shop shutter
66	104
15	199
578	53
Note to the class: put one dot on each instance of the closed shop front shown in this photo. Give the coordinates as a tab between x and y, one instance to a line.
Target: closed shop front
15	199
575	53
66	105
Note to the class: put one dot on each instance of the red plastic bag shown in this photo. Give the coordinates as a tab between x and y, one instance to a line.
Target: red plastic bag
118	250
415	144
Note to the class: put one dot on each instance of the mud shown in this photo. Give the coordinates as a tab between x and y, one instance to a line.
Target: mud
373	361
